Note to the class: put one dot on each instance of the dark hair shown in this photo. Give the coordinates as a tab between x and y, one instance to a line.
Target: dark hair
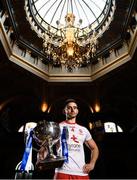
69	100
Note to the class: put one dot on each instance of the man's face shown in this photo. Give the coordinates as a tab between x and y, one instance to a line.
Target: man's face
71	110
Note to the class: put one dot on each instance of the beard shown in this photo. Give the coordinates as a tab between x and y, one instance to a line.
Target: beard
70	116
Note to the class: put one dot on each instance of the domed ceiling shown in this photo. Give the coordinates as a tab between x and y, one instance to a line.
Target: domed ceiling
41	41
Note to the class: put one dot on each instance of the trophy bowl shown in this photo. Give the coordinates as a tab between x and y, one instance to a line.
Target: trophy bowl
46	134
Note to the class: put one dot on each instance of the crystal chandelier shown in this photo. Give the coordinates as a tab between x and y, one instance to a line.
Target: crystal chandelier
70	29
70	45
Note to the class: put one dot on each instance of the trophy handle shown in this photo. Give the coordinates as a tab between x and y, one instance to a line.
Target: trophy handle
50	149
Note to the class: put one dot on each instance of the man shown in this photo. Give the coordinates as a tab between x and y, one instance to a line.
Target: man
74	166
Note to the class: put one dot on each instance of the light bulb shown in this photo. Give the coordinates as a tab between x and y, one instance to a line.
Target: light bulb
70	50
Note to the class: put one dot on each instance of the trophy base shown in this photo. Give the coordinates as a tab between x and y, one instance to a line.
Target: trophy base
50	163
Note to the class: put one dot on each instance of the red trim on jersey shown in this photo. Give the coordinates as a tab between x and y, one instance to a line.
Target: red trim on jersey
69	122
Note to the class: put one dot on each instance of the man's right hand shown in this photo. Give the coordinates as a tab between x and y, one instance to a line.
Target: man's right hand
42	153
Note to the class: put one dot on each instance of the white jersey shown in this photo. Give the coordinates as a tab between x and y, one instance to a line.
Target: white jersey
76	158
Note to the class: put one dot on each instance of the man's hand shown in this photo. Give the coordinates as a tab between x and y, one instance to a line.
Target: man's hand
42	153
88	167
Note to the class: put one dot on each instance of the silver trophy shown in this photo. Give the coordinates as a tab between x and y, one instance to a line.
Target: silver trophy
46	134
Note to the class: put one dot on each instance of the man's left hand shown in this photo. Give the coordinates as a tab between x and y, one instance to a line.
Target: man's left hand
88	167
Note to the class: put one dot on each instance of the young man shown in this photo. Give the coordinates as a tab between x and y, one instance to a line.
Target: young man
74	166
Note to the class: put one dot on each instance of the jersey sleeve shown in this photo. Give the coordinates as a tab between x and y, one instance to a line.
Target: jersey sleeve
88	135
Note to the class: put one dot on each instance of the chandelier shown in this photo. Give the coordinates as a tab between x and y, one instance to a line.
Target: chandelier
70	46
70	29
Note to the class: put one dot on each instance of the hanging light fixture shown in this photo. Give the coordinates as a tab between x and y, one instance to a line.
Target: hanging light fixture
70	29
70	45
